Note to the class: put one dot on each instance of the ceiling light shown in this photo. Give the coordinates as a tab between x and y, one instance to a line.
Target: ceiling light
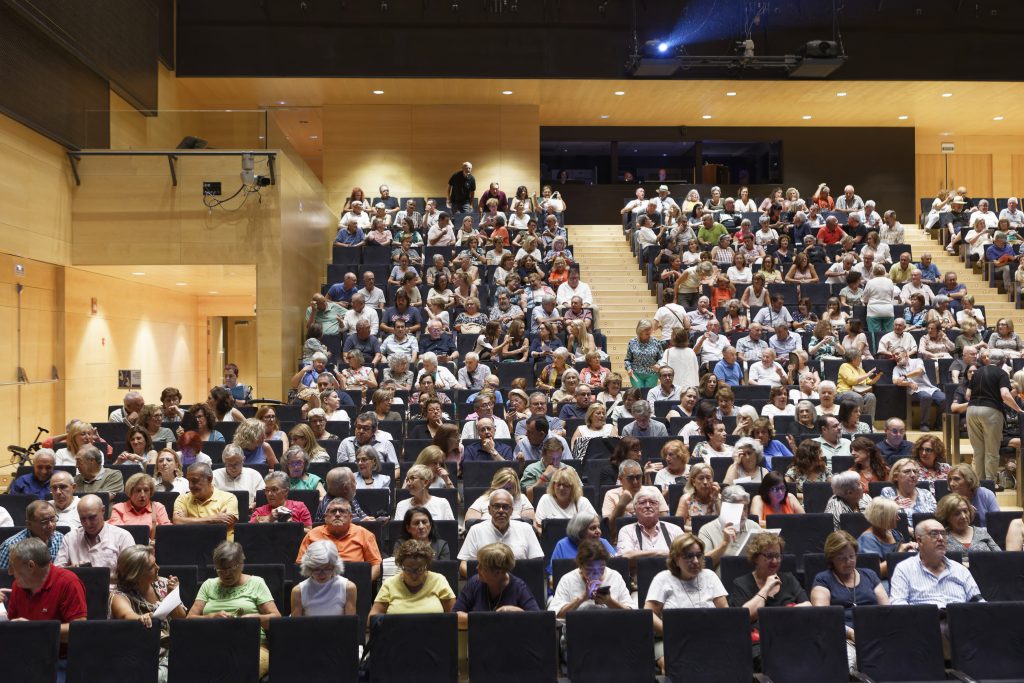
604	116
282	102
662	48
730	94
997	118
807	117
138	273
840	94
378	92
213	291
313	137
620	92
947	94
706	116
946	132
904	117
506	92
180	284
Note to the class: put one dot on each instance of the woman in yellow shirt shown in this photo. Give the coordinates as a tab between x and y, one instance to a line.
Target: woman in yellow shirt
856	384
414	589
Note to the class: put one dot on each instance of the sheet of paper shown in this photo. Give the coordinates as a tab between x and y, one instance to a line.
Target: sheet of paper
168	604
3	612
731	513
742	480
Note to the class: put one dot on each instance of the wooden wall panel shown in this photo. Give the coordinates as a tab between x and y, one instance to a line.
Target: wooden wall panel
1016	187
930	172
972	170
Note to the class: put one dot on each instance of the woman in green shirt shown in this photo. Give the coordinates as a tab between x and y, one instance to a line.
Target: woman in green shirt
414	589
235	594
297	464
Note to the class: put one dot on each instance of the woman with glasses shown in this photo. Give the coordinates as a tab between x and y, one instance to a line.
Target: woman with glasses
151	418
593	586
905	492
846	586
773	498
930	455
272	430
417	483
766	586
749	462
957	514
278	508
685	584
301	436
493	588
325	592
368	475
414	589
236	594
563	499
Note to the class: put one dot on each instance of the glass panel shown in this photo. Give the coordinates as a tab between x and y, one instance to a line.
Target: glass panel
658	161
745	162
581	162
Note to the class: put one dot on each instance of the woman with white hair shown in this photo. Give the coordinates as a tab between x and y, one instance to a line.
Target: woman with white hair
748	462
848	496
643	353
325	592
442	376
567	392
745	416
417	482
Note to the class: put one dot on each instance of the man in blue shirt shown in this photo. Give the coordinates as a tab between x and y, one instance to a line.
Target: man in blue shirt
486	448
531	448
37	482
440	343
1001	255
894	446
351	235
341	292
729	370
929	271
577	410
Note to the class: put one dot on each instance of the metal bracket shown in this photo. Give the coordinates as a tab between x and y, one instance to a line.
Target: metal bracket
171	159
74	159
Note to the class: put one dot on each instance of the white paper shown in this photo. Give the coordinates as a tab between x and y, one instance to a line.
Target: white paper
3	612
732	513
168	604
742	480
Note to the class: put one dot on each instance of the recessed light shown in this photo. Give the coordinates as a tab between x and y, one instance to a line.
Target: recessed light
706	116
213	291
730	94
282	102
947	94
261	137
904	117
138	273
506	92
997	118
807	117
180	284
840	94
378	92
604	116
620	93
313	137
946	132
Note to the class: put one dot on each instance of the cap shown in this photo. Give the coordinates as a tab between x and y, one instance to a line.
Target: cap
520	393
663	188
958	200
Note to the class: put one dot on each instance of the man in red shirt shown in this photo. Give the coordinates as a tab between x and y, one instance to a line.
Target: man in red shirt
41	591
831	233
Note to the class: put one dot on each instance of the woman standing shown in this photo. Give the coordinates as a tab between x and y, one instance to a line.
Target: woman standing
642	356
324	592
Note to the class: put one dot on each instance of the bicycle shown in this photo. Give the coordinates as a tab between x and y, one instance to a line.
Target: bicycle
21	456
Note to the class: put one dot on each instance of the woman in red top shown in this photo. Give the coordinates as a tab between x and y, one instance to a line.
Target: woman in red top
773	498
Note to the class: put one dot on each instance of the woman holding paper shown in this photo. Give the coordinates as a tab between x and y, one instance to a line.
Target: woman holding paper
138	591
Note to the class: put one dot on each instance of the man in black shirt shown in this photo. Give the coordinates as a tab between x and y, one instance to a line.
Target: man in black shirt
990	393
462	189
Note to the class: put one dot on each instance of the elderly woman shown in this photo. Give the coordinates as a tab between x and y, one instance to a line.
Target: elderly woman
168	472
564	498
765	586
552	374
138	591
935	344
417	482
748	462
674	468
745	416
278	508
940	313
493	588
382	405
330	405
855	384
956	513
324	592
250	437
969	336
846	586
272	431
1006	339
827	399
808	465
847	496
415	589
358	375
505	478
778	404
714	445
882	537
773	498
398	371
433	458
964	480
702	495
593	586
140	508
905	492
236	594
969	311
368	474
763	430
138	448
442	376
642	355
868	462
595	426
849	420
151	418
418	525
930	455
567	391
582	526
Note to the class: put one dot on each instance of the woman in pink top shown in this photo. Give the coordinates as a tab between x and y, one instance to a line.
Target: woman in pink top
140	508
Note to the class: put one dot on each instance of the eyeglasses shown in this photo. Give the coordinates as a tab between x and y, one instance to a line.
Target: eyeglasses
936	534
47	521
415	571
693	557
927	449
501	506
337	513
633	477
778	489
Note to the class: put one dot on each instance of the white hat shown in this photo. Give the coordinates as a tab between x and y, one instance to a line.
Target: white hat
958	200
663	188
379	205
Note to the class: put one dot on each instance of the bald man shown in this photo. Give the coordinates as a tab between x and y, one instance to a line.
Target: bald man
96	543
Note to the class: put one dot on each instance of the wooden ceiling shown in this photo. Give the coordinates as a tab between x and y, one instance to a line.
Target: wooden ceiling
235	280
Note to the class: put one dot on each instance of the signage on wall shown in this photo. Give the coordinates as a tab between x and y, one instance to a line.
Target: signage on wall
129	379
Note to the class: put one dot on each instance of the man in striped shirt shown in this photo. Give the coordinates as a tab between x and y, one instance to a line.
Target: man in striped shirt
931	577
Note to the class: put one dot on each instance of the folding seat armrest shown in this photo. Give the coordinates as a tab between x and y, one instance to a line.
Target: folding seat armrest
863	678
955	675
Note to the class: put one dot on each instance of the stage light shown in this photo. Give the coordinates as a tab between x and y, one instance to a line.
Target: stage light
662	48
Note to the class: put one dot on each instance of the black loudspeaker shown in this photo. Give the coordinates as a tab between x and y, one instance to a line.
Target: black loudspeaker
192	142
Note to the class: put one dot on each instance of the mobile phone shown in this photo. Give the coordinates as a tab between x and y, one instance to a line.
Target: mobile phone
603	590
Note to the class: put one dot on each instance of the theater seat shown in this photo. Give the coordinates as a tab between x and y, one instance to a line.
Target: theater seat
420	648
294	657
985	639
534	657
803	645
707	640
214	650
36	644
610	646
112	650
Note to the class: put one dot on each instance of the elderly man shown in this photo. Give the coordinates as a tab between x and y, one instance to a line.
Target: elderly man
341	293
960	365
462	189
710	231
92	476
895	446
729	370
129	412
784	342
752	346
648	536
340	482
431	215
775	313
638	205
911	374
855	228
991	396
95	543
837	272
723	537
642	425
848	496
366	342
354	543
577	410
710	346
439	342
483	406
1001	255
41	591
486	448
849	201
65	502
619	501
916	286
359	312
537	430
365	434
37	482
546	314
327	314
901	270
830	233
867	263
539	407
40	523
831	439
872	221
931	578
500	528
574	287
234	477
441	234
504	311
492	385
350	227
204	504
408	212
472	374
899	338
666	389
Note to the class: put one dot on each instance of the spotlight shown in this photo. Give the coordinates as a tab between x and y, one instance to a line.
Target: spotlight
248	176
662	47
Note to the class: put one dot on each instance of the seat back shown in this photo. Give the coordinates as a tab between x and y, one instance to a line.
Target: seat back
532	572
853	523
478	473
214	650
271	543
803	645
15	504
987	639
607	645
97	589
886	633
1000	576
188	543
447	529
36	644
803	533
814	564
139	532
816	495
402	645
533	658
708	640
360	573
646	569
188	580
552	531
112	650
294	658
998	523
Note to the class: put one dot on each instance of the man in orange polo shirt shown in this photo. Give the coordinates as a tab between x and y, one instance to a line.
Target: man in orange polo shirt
354	543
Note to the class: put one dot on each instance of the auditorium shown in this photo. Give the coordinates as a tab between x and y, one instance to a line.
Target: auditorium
565	341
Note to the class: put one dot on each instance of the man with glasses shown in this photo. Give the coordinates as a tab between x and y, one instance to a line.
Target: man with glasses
931	578
648	536
204	504
895	445
500	528
41	523
620	501
578	409
95	543
234	477
354	543
486	448
666	390
65	502
92	476
366	435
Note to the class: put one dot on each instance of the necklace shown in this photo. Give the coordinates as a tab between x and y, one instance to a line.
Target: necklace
493	604
685	585
853	588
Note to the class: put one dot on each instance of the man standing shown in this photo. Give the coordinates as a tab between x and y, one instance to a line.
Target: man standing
462	189
204	504
95	543
42	592
40	523
37	482
989	392
65	502
92	476
354	543
931	578
500	528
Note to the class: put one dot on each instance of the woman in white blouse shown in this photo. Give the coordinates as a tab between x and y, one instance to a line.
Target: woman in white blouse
417	483
739	272
564	498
